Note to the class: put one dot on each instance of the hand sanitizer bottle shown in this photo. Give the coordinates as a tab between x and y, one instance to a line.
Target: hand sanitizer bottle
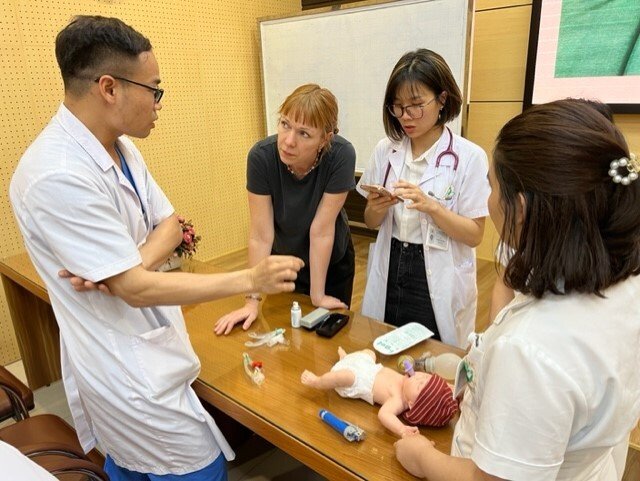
296	314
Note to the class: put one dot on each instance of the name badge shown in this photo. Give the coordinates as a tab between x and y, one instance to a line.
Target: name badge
461	381
437	238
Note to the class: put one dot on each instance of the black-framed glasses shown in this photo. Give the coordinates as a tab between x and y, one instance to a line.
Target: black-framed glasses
413	111
157	92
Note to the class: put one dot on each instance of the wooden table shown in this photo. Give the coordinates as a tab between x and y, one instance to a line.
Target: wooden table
33	320
281	410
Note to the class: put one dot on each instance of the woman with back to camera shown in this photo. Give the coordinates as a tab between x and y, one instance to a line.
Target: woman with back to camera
298	181
422	267
553	384
501	294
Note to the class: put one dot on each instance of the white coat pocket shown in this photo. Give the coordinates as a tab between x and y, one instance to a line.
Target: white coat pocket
164	359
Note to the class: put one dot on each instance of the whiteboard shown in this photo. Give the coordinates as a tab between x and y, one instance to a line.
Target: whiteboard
352	52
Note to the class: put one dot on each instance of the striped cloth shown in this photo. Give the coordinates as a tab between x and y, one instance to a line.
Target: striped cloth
435	405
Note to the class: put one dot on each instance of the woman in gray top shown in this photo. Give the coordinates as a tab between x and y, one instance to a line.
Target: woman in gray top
298	181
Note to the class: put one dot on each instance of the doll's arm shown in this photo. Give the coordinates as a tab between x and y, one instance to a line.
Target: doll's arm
388	416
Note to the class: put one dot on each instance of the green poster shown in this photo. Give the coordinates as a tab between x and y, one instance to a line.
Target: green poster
599	38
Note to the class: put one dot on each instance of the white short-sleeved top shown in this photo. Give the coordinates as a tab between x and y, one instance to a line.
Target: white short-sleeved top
406	222
127	371
555	387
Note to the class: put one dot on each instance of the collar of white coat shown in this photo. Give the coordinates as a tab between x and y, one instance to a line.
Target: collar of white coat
85	138
518	302
399	151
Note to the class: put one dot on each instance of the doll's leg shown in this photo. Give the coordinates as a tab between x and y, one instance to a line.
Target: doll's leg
329	380
370	353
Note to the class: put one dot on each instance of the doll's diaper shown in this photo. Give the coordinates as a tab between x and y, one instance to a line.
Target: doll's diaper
364	369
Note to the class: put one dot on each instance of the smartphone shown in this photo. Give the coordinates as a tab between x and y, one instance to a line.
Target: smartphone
332	324
377	189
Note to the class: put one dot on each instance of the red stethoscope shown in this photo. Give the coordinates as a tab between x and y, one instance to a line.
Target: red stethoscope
448	151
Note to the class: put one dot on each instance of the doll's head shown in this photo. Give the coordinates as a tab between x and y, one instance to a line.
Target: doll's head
413	385
430	400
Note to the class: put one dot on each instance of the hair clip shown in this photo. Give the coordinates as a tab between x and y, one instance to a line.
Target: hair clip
632	165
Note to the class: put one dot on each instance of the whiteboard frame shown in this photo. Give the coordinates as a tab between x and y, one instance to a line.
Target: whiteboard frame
465	83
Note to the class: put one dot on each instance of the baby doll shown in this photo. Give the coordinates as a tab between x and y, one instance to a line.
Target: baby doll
424	399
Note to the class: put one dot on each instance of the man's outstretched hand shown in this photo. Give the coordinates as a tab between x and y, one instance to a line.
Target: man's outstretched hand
275	274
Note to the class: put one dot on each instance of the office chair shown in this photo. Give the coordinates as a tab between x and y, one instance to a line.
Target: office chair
66	469
16	399
44	438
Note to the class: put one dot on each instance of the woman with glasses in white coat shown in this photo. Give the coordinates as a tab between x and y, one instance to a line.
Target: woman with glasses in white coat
422	267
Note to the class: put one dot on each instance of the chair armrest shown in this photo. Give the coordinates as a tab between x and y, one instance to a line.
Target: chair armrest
60	465
48	448
19	394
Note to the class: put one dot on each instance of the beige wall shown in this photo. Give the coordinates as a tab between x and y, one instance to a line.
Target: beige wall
212	110
499	56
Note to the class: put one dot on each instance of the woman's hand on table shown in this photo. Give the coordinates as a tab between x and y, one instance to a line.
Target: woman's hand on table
410	450
419	456
328	302
248	314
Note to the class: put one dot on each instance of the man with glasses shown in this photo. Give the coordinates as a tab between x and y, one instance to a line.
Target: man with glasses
157	93
96	226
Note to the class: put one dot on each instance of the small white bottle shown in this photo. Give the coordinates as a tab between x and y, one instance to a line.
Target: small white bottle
444	365
296	314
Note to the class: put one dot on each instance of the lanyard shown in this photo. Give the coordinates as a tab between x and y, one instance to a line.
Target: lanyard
127	173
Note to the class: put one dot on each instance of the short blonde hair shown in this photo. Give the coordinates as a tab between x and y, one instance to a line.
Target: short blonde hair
312	105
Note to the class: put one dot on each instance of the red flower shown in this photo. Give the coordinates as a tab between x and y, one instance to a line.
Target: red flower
188	246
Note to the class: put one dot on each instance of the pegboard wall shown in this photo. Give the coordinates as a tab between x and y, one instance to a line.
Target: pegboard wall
209	60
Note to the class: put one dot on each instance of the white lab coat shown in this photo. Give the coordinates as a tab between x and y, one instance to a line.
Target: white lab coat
451	273
127	371
554	387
